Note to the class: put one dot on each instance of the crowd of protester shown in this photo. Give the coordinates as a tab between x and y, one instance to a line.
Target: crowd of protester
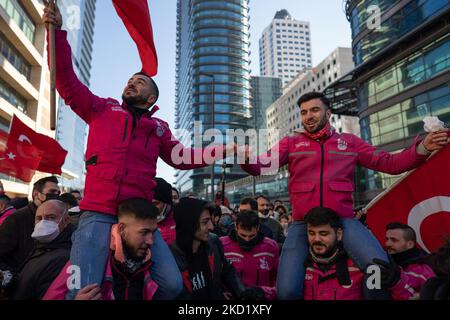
221	252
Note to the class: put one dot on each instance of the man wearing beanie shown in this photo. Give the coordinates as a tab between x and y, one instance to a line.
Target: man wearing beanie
200	257
162	199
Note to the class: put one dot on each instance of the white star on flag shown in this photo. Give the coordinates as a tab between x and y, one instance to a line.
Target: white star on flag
11	156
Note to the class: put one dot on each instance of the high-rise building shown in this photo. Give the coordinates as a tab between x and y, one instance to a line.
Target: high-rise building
78	18
285	47
401	75
24	75
213	78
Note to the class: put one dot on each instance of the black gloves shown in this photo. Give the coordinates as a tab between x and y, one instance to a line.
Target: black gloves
253	293
390	272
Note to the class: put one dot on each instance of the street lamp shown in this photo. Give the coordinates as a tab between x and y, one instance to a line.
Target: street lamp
213	81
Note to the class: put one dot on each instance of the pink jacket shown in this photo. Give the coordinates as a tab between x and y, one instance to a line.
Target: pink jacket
330	289
58	289
167	228
411	280
321	174
6	213
122	152
257	267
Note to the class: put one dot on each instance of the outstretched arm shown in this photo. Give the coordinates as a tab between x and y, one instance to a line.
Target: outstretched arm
410	158
75	94
272	160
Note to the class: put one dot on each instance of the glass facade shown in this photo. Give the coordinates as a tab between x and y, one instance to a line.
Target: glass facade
410	85
404	119
265	91
14	98
14	10
413	14
421	66
14	57
213	71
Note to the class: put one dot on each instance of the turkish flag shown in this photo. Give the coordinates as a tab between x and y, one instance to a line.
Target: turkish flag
53	156
18	159
420	200
136	18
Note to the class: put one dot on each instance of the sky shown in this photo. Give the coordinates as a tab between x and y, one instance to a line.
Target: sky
115	56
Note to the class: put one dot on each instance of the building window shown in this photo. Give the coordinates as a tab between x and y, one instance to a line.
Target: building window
10	95
13	56
15	11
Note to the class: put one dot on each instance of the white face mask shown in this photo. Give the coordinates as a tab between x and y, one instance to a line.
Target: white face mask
46	231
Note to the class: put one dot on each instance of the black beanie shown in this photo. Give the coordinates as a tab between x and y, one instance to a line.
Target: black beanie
163	191
187	215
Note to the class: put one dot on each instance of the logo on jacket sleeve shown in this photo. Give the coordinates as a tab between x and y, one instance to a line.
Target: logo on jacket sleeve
342	144
302	144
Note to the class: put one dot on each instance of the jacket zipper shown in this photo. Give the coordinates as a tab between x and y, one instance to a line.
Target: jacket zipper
126	129
146	142
322	160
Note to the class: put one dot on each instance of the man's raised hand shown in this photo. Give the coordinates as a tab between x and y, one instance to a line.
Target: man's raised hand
52	15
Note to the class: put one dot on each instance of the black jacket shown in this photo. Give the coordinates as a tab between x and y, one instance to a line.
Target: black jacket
15	238
43	266
275	227
436	289
223	277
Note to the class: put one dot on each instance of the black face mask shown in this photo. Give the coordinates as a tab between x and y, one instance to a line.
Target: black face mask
51	196
248	245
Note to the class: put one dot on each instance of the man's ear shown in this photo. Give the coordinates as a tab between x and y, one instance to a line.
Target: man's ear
151	100
328	114
339	234
121	227
410	244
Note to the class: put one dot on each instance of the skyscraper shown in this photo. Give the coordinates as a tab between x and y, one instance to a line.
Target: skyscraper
265	91
78	18
285	47
213	77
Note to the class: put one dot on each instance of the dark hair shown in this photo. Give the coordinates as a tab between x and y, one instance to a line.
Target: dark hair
284	216
75	191
314	95
247	219
5	199
216	211
252	202
40	184
320	216
441	260
141	209
262	196
155	87
69	199
176	190
282	207
408	233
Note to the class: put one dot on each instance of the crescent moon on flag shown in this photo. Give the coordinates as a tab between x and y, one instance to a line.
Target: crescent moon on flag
425	209
23	138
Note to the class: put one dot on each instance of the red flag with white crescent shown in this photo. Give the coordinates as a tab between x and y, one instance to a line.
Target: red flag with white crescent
421	200
17	158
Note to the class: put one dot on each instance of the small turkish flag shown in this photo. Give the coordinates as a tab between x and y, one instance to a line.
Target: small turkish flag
18	159
53	156
420	200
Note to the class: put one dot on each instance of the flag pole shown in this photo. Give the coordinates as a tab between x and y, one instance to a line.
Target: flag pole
52	65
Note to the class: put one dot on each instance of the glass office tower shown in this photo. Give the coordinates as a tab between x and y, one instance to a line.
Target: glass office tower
212	78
